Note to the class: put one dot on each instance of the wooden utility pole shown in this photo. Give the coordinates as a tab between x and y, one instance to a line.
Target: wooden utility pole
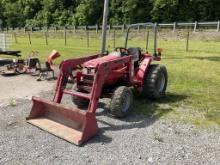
104	25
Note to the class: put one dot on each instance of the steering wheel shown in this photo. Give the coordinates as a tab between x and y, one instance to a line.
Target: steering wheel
122	50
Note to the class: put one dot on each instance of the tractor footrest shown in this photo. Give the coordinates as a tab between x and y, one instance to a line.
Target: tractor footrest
78	94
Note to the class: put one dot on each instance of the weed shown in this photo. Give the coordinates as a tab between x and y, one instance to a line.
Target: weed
12	103
158	138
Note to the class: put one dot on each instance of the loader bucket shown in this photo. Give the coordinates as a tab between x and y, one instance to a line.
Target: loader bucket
72	125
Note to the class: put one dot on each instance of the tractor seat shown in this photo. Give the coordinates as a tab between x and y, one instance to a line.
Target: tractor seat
135	52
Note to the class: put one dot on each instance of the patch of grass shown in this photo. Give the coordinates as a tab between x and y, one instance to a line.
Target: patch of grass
158	138
12	103
194	76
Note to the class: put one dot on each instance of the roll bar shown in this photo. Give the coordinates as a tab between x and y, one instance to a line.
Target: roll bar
148	24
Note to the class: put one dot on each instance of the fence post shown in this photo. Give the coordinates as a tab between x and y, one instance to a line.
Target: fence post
87	36
123	28
74	26
29	37
187	42
15	37
65	36
174	26
109	28
45	34
97	28
218	26
138	29
147	40
114	39
195	26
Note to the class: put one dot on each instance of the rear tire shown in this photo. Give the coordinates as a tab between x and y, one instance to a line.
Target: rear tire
121	102
155	82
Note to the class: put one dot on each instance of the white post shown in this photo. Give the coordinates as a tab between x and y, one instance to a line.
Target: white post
4	41
195	26
104	25
218	26
174	27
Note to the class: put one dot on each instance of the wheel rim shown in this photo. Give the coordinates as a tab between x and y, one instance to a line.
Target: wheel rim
21	69
161	82
126	102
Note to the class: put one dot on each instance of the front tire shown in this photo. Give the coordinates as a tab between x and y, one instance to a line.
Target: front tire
155	82
121	102
79	102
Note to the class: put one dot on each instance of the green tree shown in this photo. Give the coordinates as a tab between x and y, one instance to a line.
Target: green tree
13	13
165	10
116	12
205	10
137	11
89	12
130	11
1	13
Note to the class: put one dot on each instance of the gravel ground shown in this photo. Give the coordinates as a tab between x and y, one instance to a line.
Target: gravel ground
134	140
21	87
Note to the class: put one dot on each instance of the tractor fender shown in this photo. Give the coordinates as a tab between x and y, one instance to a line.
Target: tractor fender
140	72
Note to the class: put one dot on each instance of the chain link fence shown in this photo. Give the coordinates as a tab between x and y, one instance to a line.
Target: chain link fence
5	41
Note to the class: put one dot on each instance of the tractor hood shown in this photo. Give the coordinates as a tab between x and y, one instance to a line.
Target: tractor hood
95	62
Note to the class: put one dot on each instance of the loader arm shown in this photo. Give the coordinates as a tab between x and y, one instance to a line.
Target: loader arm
66	68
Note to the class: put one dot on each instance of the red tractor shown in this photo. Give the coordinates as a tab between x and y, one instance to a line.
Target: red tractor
112	75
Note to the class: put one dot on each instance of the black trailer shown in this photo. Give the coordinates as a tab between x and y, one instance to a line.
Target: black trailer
5	61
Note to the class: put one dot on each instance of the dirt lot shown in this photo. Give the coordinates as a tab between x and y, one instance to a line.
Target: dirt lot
21	87
134	140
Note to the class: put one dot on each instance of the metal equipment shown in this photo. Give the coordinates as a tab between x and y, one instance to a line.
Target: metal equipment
5	61
31	65
44	71
111	75
20	66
